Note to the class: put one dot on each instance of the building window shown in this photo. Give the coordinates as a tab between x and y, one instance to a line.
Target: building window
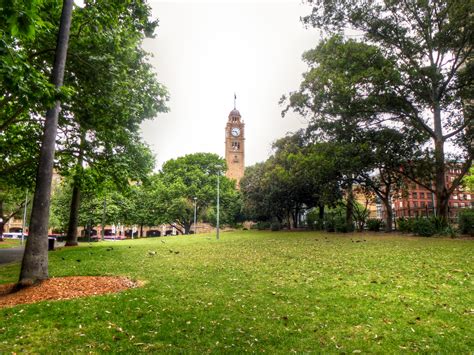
455	204
422	195
468	197
415	204
455	197
415	195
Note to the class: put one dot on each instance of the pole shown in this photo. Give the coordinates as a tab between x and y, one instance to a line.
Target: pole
24	219
103	219
195	206
217	222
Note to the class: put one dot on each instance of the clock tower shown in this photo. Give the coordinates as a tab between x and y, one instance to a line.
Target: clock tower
234	146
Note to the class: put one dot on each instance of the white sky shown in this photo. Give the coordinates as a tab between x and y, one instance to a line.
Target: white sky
206	51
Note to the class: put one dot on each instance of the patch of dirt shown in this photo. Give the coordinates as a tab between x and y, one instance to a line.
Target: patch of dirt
63	288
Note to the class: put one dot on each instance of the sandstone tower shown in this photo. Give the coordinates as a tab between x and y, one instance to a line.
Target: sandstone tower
234	146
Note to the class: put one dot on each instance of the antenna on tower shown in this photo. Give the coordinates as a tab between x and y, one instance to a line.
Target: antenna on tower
235	99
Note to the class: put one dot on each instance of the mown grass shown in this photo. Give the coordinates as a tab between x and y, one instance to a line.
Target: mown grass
276	292
9	243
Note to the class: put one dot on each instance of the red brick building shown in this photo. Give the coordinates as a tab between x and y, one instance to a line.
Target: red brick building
416	200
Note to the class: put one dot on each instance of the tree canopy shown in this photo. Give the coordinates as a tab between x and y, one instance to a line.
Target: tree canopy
409	70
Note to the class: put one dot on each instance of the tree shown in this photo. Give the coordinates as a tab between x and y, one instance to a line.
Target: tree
182	179
420	75
113	95
469	180
298	176
34	266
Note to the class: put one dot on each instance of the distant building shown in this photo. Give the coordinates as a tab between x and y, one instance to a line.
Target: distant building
415	200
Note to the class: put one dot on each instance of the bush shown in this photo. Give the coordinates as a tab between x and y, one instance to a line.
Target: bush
329	223
312	218
466	222
262	225
405	225
275	226
425	227
374	224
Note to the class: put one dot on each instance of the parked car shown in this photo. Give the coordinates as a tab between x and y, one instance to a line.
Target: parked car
13	235
114	237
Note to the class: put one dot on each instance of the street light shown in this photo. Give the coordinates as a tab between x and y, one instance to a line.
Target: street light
195	205
217	221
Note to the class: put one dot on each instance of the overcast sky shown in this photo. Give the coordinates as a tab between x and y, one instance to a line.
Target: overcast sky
206	51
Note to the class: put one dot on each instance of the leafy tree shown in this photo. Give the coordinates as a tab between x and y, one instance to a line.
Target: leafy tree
469	180
419	74
183	179
299	175
113	95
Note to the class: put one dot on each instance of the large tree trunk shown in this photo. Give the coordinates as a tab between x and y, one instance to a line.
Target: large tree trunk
321	212
442	195
2	220
388	214
34	266
71	238
350	207
187	227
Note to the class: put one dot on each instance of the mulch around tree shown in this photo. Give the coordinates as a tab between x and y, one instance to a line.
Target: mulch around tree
63	288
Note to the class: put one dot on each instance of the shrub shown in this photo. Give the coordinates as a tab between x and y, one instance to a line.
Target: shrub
263	225
424	227
329	223
405	225
374	224
466	222
312	218
275	226
341	226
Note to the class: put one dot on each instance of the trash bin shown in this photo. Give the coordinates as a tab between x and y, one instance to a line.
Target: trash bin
51	243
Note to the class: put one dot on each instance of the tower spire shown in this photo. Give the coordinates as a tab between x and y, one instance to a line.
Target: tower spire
235	99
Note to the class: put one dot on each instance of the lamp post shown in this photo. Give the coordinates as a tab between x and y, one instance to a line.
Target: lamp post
217	221
195	207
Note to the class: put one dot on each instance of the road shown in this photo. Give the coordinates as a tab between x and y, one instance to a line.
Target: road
10	255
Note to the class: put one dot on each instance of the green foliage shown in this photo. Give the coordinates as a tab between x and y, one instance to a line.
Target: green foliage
313	221
262	225
297	176
405	225
407	51
195	176
374	224
424	227
360	214
466	221
469	180
275	226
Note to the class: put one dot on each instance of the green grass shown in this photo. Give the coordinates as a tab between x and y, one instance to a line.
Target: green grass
276	292
9	243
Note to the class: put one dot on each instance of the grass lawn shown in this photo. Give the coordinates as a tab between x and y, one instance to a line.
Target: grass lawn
276	292
9	243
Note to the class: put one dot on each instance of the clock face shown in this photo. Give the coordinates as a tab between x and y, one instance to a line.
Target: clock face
235	131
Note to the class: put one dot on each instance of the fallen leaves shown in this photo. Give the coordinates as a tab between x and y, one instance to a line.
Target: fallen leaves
61	288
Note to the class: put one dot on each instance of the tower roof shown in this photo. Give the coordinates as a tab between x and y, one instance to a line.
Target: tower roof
234	113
